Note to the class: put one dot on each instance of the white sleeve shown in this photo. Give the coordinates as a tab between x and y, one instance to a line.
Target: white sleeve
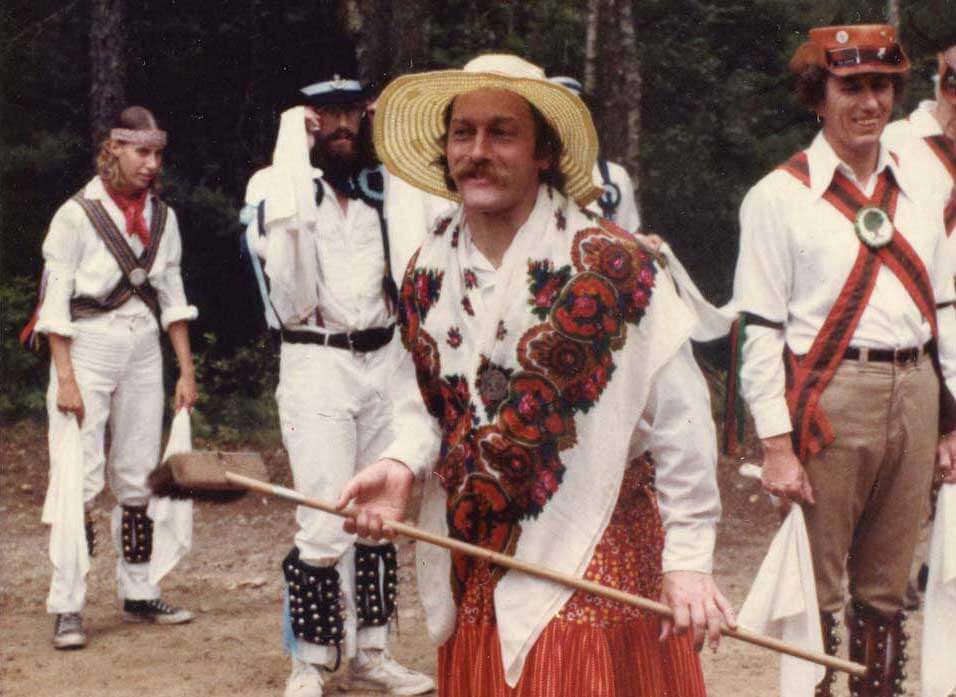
762	286
678	430
169	284
944	288
417	437
627	214
62	252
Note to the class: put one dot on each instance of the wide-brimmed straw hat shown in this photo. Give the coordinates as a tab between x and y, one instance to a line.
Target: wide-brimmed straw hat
409	121
852	49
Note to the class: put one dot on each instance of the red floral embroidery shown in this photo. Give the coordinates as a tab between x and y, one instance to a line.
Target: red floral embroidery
546	284
580	370
616	255
587	310
454	337
471	279
481	514
534	413
441	225
466	303
427	289
408	319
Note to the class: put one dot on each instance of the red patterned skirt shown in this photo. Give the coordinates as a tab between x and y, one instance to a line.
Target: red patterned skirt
594	647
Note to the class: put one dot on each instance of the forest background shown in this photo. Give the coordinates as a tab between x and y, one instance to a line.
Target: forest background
693	96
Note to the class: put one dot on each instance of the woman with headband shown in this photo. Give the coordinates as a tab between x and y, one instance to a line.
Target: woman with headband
111	281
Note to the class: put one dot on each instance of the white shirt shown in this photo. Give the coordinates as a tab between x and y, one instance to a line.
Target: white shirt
796	252
348	245
676	427
626	215
907	138
78	263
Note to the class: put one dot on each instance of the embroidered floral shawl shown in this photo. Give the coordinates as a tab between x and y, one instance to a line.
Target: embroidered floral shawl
536	435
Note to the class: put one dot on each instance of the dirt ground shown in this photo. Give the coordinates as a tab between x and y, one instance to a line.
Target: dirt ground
231	580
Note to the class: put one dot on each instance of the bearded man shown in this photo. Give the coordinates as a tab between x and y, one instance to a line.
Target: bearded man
322	234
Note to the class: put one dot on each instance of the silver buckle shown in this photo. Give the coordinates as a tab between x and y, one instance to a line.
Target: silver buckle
348	338
900	356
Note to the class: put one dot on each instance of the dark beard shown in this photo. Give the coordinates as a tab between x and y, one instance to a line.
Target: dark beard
335	165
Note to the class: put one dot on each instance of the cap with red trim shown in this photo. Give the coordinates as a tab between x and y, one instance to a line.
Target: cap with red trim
852	50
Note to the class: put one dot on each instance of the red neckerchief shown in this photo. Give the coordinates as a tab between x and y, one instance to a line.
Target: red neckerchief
132	208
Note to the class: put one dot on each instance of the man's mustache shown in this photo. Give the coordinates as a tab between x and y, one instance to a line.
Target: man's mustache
468	169
340	133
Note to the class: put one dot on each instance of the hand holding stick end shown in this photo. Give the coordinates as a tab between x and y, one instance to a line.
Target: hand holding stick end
378	493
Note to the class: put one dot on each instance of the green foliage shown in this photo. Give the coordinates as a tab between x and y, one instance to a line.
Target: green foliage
236	388
23	374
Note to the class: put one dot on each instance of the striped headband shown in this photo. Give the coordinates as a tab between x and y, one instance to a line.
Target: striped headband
149	138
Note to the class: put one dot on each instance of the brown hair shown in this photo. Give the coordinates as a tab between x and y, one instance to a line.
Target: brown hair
547	144
136	118
810	86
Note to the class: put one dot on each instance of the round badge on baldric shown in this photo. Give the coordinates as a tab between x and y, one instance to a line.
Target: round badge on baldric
493	385
137	276
874	227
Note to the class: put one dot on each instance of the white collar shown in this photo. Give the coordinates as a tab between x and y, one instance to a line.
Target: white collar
823	162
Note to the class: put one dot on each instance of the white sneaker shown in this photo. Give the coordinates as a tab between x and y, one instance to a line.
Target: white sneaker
377	670
305	680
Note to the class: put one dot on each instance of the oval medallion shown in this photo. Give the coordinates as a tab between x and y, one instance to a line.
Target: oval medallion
493	385
873	226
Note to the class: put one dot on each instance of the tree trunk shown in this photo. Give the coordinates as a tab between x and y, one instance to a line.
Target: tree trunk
108	65
410	29
590	47
391	36
617	83
893	14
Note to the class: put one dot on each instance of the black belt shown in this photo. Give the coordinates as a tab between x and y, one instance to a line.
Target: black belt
361	341
898	356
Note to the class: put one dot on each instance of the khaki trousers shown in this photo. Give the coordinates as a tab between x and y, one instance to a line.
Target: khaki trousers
871	484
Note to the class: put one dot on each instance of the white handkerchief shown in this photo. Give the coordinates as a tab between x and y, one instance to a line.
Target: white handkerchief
939	609
712	322
172	518
782	603
63	507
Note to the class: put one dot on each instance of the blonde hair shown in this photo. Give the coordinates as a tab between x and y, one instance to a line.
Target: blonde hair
135	118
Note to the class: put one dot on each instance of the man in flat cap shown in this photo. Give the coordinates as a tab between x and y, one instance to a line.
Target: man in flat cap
558	415
322	231
845	289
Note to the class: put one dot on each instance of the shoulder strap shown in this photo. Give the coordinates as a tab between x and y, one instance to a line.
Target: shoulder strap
124	256
371	190
611	197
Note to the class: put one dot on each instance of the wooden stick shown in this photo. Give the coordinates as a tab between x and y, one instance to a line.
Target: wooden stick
549	574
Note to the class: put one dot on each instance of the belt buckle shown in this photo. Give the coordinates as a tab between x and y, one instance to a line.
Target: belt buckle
905	356
348	340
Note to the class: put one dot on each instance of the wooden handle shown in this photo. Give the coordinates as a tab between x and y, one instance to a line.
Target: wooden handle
549	574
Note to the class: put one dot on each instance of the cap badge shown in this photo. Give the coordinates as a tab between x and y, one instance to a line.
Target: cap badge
842	36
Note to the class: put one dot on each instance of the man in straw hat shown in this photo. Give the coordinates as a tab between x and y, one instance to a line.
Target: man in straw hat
323	233
558	417
844	284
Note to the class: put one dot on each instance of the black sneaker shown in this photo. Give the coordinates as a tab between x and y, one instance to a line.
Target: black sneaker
155	611
68	631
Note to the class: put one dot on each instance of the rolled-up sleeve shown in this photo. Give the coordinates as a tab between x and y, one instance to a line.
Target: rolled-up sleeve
61	257
678	429
762	286
169	284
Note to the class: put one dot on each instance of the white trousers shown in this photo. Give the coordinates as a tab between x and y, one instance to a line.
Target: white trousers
118	367
335	419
